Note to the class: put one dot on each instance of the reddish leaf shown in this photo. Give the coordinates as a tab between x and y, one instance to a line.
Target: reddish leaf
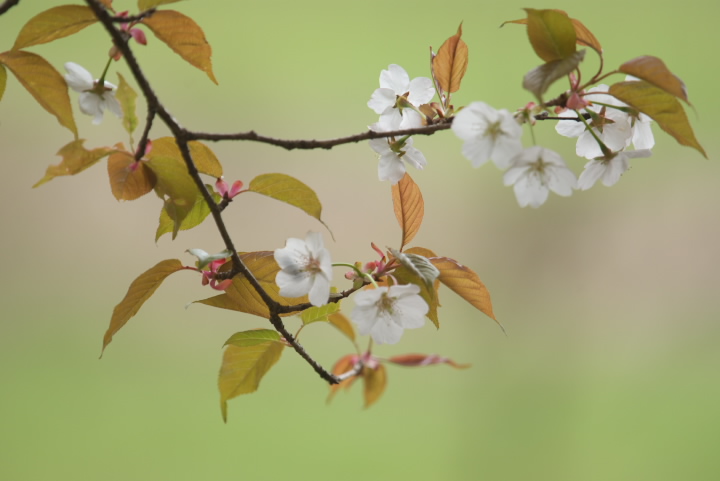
450	63
375	381
409	208
129	179
343	365
140	291
552	34
44	83
465	283
661	106
653	70
421	360
243	368
76	158
184	36
55	23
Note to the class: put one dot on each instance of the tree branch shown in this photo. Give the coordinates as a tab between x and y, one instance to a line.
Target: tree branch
7	5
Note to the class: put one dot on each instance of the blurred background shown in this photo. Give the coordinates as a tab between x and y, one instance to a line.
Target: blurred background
609	370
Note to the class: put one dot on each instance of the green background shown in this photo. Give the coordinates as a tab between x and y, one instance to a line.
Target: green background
609	370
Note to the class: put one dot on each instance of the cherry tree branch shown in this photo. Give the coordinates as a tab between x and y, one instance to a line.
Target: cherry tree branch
7	5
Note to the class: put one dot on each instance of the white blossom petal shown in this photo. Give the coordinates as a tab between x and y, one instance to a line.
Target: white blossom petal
305	269
384	313
78	78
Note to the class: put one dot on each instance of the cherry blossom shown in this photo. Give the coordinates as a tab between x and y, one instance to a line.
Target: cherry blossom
94	98
608	169
385	312
488	134
535	172
305	269
226	191
394	155
396	97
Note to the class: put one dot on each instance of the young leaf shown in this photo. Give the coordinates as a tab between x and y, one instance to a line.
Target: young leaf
465	283
252	338
55	23
419	265
319	314
140	291
450	63
375	381
184	36
409	208
203	157
340	320
539	79
661	106
552	34
76	158
583	35
243	368
127	98
421	360
653	70
174	185
409	275
44	83
343	365
129	179
289	190
195	216
148	4
3	80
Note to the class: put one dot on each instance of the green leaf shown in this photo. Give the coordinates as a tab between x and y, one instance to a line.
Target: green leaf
409	208
127	98
653	70
466	283
194	217
55	23
184	37
3	80
319	314
203	157
148	4
552	34
661	106
253	338
174	185
419	265
243	368
44	83
76	158
140	291
409	273
129	179
539	79
289	190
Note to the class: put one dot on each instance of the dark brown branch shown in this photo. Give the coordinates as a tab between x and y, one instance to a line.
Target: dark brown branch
133	18
322	144
7	5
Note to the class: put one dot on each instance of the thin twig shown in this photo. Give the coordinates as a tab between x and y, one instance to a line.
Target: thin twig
7	5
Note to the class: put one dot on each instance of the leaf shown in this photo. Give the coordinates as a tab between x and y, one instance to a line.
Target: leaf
195	216
340	320
419	265
552	34
3	80
252	338
243	368
76	158
289	190
661	106
653	70
409	208
184	37
55	23
343	365
44	83
140	291
319	314
127	98
148	4
203	157
539	79
450	63
465	283
241	296
375	381
422	360
583	35
129	179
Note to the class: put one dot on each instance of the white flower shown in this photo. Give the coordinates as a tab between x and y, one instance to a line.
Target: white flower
612	126
392	98
608	169
385	312
535	172
305	269
94	99
391	166
488	134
